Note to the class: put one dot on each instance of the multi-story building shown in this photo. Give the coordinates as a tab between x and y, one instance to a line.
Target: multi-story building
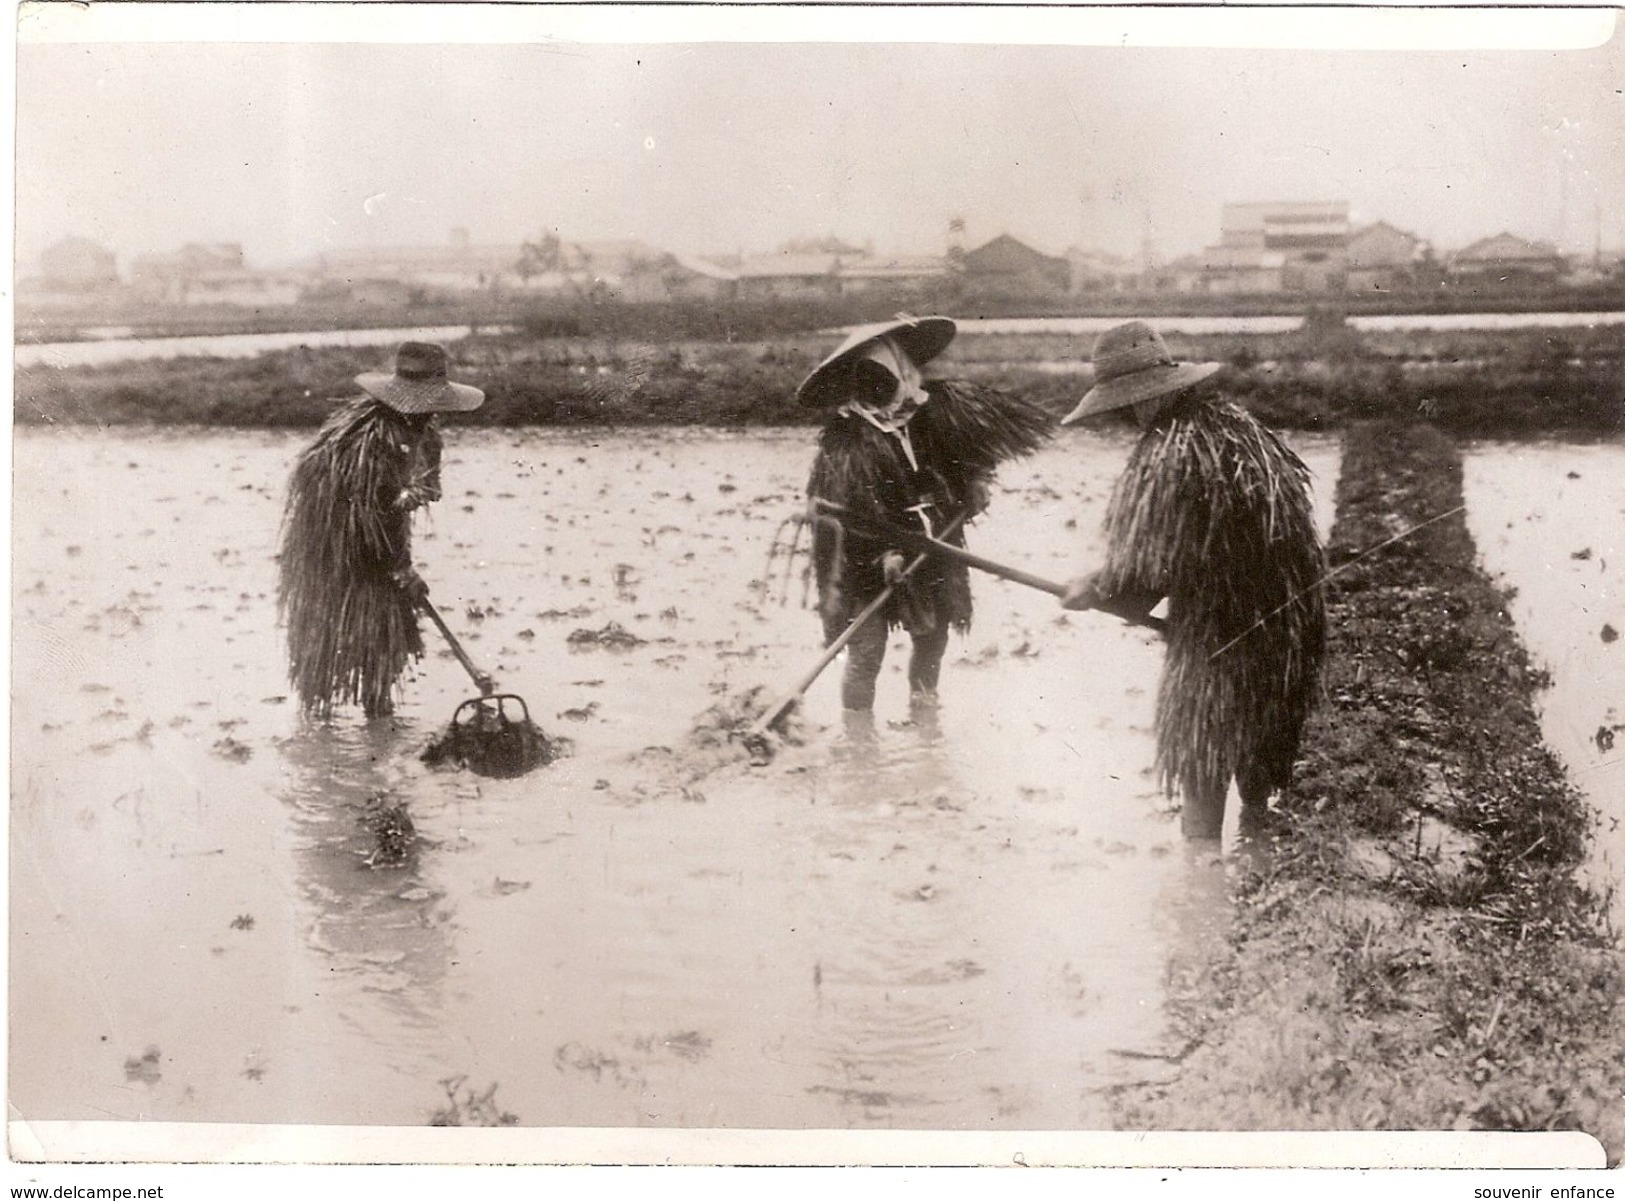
1280	246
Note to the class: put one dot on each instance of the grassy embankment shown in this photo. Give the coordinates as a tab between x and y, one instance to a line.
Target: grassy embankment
729	368
1412	949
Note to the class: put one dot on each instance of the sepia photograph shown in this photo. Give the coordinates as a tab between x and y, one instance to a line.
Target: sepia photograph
822	585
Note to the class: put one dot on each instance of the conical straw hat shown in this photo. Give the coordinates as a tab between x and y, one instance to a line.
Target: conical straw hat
922	339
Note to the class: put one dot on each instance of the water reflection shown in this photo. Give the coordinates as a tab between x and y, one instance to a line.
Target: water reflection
376	925
1194	908
1198	902
897	1016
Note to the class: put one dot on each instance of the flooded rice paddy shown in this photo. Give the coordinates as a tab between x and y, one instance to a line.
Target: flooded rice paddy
960	919
956	919
1549	522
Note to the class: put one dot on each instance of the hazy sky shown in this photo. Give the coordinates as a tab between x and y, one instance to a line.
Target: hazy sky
707	146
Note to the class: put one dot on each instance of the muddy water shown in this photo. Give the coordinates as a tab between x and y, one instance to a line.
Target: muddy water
953	919
1548	521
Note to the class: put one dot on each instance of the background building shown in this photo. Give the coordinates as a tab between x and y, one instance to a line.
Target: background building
678	277
1227	270
1382	258
785	275
203	273
900	276
1506	260
78	265
1007	266
1095	271
1280	246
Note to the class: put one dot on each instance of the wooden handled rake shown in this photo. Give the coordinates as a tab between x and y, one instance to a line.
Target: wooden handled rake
755	739
924	544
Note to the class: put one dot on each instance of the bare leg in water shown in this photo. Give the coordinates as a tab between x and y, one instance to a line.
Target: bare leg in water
864	655
925	662
866	652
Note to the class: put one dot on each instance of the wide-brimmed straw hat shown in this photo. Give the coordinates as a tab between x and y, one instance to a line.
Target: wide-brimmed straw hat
419	383
922	339
1132	364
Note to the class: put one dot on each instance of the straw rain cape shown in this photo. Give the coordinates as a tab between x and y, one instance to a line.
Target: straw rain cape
351	628
959	437
1213	511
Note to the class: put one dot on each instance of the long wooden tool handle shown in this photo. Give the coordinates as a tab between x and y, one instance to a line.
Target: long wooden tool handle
481	679
947	550
766	720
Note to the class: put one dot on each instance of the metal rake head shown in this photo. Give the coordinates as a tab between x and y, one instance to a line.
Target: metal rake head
787	545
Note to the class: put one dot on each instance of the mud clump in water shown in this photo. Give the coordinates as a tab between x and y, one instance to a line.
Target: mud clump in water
613	636
145	1068
391	829
229	748
464	1107
727	728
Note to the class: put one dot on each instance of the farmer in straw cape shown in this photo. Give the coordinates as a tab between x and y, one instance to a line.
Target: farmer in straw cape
1212	513
347	593
901	451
